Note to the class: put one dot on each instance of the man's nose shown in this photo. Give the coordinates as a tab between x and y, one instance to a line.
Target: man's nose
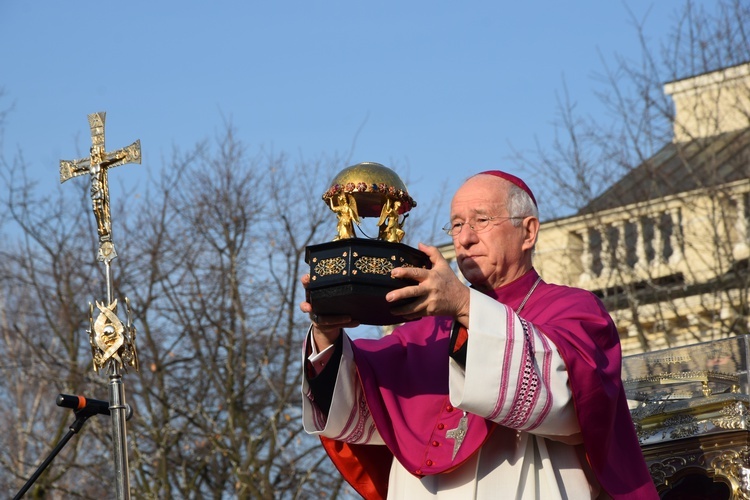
467	236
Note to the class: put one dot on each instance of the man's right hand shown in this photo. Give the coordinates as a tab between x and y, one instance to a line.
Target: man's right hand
326	329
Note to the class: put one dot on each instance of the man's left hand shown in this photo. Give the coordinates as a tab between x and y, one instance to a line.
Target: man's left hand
439	292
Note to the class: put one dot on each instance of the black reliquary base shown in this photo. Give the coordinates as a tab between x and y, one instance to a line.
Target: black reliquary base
350	277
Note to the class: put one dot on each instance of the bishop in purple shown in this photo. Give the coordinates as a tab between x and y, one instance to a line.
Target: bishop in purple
510	386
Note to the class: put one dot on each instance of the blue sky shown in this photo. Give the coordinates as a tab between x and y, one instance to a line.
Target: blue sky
437	90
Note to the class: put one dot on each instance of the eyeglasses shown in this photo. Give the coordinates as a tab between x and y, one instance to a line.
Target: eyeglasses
480	224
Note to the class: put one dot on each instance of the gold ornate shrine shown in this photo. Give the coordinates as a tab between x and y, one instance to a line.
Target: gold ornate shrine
690	406
350	276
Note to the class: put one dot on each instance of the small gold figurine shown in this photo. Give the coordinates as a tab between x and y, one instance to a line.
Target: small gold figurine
346	211
390	228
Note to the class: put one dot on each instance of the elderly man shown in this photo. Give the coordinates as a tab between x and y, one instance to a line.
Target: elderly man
509	388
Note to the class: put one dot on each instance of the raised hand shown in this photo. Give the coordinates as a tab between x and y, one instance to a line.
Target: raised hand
439	292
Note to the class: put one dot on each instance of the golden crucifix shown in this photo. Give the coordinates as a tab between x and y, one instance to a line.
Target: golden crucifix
112	341
97	165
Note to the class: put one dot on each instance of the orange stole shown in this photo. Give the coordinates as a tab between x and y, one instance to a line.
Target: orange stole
365	466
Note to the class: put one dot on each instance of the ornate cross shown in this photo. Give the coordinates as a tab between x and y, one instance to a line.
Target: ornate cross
97	165
458	434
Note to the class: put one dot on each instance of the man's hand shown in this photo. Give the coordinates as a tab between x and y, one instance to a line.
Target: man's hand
326	329
439	292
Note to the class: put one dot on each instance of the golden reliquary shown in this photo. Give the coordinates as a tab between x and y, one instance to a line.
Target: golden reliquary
351	275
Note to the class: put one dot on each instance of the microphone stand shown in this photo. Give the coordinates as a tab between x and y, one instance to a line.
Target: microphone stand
75	427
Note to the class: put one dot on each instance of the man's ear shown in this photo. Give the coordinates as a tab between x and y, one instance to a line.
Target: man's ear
531	231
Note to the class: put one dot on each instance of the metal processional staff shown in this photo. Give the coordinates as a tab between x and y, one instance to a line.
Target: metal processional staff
112	341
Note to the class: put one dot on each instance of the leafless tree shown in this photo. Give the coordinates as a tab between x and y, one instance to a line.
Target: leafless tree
209	255
614	169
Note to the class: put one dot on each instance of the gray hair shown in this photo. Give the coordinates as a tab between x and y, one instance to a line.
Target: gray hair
520	205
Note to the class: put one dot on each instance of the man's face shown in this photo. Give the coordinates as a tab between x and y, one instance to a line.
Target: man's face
497	255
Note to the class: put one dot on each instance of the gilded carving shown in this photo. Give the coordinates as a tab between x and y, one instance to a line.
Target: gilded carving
732	465
682	426
661	471
374	265
327	267
733	416
692	411
646	410
702	376
111	340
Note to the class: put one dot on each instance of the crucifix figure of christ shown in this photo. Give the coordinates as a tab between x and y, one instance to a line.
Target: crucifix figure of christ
96	166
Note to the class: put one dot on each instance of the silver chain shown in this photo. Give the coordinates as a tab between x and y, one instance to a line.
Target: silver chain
523	303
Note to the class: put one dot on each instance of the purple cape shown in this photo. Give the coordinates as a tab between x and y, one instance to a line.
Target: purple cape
405	377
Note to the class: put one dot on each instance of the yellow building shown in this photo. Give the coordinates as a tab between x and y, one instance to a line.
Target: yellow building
666	246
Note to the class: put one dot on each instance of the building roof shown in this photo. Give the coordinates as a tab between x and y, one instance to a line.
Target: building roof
680	167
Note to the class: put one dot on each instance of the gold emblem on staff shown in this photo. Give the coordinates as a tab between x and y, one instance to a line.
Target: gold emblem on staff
110	338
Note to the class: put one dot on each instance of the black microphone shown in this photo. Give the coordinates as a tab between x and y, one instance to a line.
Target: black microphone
77	403
93	406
